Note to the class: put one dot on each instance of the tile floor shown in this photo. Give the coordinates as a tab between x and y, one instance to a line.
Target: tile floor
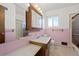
56	50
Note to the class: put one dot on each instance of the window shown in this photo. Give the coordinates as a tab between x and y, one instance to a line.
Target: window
43	22
40	23
53	21
50	22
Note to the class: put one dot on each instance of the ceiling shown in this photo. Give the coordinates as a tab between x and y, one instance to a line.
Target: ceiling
22	5
48	6
52	6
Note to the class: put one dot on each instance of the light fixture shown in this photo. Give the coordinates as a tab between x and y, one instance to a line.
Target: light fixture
28	4
39	8
35	5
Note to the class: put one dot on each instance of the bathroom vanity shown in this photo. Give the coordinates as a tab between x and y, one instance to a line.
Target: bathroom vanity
44	42
36	47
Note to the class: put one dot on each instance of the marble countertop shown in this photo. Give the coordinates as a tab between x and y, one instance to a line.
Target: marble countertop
41	39
29	50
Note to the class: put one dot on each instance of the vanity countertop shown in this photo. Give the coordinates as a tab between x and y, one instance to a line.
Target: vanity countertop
42	39
29	50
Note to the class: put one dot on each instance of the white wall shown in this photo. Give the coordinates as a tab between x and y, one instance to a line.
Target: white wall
63	14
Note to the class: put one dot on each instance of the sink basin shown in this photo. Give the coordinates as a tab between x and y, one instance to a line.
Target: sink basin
42	36
42	39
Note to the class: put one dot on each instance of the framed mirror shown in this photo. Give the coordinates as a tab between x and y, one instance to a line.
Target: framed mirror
34	19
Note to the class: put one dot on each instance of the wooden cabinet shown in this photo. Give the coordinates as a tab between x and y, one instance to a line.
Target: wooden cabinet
45	46
28	19
2	24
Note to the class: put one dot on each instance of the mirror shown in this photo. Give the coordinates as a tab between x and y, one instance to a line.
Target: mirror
20	20
36	21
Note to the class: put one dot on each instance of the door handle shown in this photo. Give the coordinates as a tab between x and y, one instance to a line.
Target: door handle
2	33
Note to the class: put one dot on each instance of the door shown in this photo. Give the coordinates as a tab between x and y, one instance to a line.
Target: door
2	24
75	30
19	29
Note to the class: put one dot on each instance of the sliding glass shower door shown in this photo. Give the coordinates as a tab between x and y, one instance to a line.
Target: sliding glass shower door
75	31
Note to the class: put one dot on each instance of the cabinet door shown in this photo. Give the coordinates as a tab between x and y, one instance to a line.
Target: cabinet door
2	24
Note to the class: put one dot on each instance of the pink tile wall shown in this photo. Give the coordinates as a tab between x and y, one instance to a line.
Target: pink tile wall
9	35
58	35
